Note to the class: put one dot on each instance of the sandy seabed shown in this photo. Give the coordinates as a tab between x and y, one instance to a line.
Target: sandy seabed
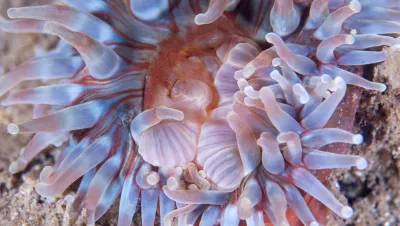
373	193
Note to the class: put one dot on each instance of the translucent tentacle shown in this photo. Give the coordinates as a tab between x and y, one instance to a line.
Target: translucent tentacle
77	204
298	63
250	196
166	206
315	160
277	199
285	85
149	199
373	26
287	72
353	79
146	178
320	116
152	117
365	41
22	25
197	197
88	5
77	117
316	95
358	57
377	13
301	96
254	121
100	148
325	50
280	119
215	9
333	23
149	10
284	17
71	18
112	193
49	175
54	95
168	219
256	219
264	59
272	158
297	203
320	137
56	68
102	61
319	11
294	151
129	198
38	143
100	183
308	183
247	144
229	216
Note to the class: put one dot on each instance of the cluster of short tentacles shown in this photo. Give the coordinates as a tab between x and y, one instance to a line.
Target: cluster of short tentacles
255	150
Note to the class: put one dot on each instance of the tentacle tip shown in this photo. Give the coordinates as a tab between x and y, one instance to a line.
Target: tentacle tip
355	5
245	208
340	83
248	70
346	212
69	199
50	200
46	173
51	27
274	74
301	93
41	190
361	163
200	19
239	75
12	12
314	223
179	170
304	99
250	92
325	78
276	62
242	84
193	187
153	178
13	128
265	91
172	184
202	174
357	139
282	137
382	88
269	37
15	167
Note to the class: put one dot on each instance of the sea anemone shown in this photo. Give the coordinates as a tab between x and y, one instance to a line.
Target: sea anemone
212	112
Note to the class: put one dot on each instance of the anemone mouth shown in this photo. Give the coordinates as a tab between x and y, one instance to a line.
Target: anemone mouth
178	106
